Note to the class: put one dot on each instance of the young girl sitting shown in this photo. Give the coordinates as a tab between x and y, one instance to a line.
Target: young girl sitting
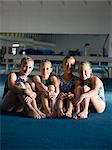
48	87
89	92
67	83
18	91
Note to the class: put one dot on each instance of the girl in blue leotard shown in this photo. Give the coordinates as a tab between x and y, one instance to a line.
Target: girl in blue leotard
18	91
67	83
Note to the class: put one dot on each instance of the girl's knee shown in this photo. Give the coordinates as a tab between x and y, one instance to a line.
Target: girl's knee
98	104
101	109
86	88
51	88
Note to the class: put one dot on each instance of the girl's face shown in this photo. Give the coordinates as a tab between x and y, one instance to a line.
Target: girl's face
26	67
84	72
45	70
68	65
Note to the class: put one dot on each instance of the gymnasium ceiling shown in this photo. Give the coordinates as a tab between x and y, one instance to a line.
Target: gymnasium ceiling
63	2
54	2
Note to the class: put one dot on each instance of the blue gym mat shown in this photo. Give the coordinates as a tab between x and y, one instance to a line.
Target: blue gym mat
94	133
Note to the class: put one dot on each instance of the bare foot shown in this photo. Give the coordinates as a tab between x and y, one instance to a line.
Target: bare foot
83	114
41	114
61	114
68	114
48	115
34	115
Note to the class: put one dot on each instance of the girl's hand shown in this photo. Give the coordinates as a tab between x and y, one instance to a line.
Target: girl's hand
52	96
61	95
70	96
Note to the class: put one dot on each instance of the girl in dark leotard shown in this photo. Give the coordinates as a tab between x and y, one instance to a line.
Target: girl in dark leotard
48	87
18	91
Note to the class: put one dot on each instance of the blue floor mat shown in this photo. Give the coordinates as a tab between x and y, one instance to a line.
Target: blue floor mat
24	133
94	133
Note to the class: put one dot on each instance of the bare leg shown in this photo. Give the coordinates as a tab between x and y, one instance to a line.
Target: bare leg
77	108
52	104
69	109
98	103
60	108
9	101
45	104
34	104
31	110
51	89
84	113
18	108
77	92
85	104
